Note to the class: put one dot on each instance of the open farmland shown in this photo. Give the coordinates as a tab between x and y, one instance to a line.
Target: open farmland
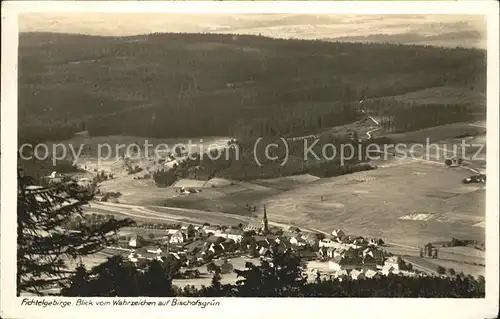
357	204
421	201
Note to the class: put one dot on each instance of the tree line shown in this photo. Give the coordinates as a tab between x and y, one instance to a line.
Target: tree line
403	116
282	276
240	163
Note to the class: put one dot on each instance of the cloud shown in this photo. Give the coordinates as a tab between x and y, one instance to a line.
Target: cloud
444	30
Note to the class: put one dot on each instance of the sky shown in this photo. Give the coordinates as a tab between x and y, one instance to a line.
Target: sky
438	30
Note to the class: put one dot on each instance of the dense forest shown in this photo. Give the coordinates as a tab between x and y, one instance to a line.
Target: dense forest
183	85
402	116
241	162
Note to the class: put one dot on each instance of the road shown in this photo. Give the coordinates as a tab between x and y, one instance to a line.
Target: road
369	133
422	264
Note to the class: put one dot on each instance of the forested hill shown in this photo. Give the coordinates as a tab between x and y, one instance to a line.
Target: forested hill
168	85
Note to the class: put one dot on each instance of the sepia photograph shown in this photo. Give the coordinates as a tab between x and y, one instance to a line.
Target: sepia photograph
273	154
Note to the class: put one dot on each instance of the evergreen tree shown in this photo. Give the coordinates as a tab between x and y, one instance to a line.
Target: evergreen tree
281	277
119	278
44	247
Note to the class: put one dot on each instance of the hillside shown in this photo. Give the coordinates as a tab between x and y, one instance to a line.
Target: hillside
171	85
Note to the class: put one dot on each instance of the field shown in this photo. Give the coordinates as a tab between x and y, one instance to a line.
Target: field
355	203
439	133
362	208
445	95
409	201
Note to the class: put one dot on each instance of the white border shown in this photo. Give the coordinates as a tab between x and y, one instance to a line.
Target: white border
245	307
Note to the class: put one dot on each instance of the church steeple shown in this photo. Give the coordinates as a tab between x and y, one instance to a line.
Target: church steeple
265	224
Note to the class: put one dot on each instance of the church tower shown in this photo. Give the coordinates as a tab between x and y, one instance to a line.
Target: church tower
265	225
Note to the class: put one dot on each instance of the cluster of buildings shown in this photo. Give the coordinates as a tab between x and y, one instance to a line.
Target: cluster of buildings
352	256
191	245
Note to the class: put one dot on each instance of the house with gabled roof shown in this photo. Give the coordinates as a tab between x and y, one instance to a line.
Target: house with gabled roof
394	261
373	254
255	226
370	273
136	241
356	274
293	229
338	233
264	251
177	237
211	229
227	245
323	252
297	240
133	257
212	239
229	233
340	274
311	239
194	247
330	252
154	250
327	242
389	270
261	241
340	263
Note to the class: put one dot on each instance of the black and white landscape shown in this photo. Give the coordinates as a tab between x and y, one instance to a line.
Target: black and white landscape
294	186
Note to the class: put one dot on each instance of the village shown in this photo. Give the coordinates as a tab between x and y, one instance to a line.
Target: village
187	248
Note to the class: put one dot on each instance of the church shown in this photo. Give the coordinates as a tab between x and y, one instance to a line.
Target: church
260	227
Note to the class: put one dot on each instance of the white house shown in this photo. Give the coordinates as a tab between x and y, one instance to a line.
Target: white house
170	232
133	257
387	270
177	237
338	233
330	252
136	241
155	251
211	229
236	237
340	274
297	241
356	274
394	262
370	273
329	243
374	253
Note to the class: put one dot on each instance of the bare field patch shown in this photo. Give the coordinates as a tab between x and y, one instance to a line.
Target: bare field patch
481	225
218	182
418	216
288	182
466	268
